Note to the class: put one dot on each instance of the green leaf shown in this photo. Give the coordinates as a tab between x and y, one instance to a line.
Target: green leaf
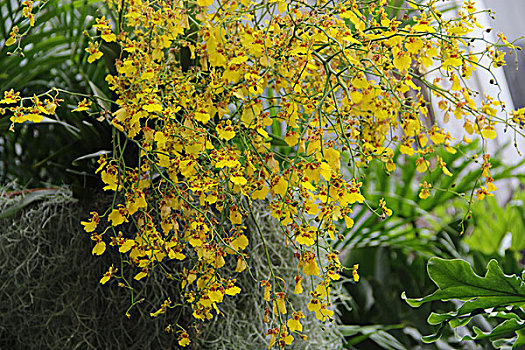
376	333
520	341
91	155
488	302
435	319
458	322
505	328
456	280
431	338
386	341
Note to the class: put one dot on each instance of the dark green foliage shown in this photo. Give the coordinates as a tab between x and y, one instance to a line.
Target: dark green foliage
54	57
496	296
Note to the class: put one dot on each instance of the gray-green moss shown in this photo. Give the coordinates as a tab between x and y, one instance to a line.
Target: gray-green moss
51	298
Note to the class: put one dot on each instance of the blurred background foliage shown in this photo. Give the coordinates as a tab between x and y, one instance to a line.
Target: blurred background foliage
53	57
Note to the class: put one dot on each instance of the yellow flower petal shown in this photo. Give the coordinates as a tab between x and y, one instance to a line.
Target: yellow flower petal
99	248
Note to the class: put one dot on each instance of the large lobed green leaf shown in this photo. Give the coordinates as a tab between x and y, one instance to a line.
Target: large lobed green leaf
455	279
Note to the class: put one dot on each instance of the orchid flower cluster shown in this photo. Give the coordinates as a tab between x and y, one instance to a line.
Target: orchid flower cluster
235	101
